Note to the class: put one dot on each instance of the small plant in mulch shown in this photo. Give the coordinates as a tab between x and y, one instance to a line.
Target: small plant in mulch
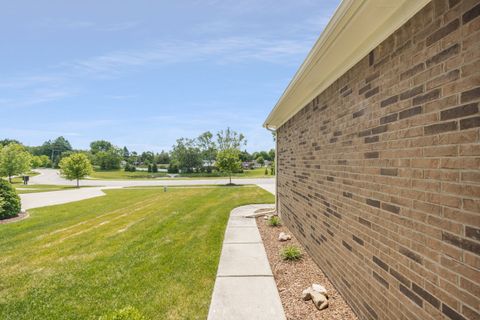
274	221
291	253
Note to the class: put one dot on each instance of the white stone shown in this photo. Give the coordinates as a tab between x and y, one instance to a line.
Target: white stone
319	288
284	237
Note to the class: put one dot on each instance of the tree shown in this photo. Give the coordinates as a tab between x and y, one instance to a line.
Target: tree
186	155
163	157
260	161
228	161
154	168
229	139
6	142
9	200
271	154
245	156
76	167
14	160
208	148
35	161
108	160
147	157
100	145
53	149
40	161
126	153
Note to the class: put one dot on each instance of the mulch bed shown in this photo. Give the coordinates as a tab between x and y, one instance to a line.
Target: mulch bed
20	216
293	277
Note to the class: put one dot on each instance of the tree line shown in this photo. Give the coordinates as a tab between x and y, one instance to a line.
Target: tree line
208	152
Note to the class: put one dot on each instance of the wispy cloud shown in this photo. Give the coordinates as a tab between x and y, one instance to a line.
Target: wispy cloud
62	83
87	25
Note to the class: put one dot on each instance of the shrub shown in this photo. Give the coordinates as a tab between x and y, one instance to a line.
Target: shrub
291	253
154	168
173	168
149	169
128	313
266	171
274	221
9	200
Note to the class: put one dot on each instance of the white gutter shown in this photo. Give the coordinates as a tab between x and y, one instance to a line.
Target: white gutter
356	28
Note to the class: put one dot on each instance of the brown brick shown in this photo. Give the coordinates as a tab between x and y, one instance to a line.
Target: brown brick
373	203
426	295
443	79
452	314
411	93
371	155
390	118
389	171
470	123
441	127
380	263
358	113
372	92
400	277
472	232
389	101
371	139
441	33
397	192
379	129
410	112
443	55
459	112
410	254
382	281
390	207
470	95
357	240
410	295
471	14
412	71
432	95
462	243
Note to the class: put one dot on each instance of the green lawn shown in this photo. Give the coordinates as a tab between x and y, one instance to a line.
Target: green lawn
153	250
125	175
122	175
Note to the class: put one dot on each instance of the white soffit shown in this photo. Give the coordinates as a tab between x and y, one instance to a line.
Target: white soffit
356	28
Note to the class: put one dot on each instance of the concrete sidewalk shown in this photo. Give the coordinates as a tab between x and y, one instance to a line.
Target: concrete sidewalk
244	288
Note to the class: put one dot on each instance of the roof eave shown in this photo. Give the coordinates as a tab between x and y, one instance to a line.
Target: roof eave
356	28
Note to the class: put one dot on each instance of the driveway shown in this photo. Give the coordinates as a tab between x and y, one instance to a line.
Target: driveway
52	176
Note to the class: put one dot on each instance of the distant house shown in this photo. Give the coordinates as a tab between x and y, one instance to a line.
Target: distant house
378	157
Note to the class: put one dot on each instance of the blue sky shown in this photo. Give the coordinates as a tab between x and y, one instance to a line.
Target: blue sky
144	73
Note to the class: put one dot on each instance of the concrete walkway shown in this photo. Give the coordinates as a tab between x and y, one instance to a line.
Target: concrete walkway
245	287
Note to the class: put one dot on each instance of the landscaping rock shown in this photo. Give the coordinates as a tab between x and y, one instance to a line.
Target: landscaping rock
319	288
320	299
284	237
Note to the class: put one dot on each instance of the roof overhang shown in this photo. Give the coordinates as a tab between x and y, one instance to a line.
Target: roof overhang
356	28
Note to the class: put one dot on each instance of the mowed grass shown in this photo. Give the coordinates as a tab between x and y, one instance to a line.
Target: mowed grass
124	175
153	250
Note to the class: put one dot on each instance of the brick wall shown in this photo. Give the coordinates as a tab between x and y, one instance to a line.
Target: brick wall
379	175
